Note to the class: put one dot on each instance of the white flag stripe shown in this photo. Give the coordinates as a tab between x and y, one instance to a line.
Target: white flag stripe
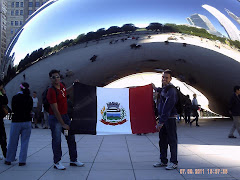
120	99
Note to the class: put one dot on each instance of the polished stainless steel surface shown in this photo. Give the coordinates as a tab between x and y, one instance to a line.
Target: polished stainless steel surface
67	19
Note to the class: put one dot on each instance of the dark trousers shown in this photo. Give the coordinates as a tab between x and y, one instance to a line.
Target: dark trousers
168	136
3	138
187	114
195	113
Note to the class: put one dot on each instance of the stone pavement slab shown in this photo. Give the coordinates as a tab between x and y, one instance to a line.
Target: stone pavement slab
204	153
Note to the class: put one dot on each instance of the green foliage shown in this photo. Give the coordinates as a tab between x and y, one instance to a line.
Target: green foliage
155	26
113	29
128	28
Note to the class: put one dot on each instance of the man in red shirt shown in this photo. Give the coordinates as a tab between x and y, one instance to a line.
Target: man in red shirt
59	120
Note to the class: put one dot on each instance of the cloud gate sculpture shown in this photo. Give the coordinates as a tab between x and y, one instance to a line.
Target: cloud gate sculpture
100	41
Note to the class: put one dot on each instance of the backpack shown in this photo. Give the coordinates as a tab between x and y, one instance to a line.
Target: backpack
45	102
181	99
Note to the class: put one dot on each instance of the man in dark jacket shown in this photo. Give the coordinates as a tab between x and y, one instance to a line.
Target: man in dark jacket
234	110
3	102
167	122
187	109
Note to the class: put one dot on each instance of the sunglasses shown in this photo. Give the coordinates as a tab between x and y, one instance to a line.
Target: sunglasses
55	77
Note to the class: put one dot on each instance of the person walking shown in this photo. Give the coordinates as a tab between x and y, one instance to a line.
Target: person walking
59	121
167	122
187	109
44	118
3	104
195	107
234	111
22	104
35	109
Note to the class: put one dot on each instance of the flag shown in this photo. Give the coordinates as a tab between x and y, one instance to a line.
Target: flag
113	110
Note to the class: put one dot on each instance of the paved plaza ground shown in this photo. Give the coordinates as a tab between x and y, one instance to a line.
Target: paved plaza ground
203	152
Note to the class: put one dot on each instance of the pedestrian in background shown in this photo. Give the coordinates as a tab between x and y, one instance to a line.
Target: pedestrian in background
35	109
234	111
195	107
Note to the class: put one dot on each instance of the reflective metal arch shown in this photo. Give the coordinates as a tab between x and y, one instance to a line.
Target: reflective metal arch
67	19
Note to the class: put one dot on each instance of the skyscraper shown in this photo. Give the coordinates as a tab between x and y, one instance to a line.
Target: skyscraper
18	12
229	27
233	16
203	22
3	28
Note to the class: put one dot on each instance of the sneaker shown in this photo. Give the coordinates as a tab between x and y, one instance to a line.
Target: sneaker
171	166
59	166
76	163
7	163
22	164
159	164
232	136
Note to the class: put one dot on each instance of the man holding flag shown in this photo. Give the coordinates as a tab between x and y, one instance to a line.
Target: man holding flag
166	126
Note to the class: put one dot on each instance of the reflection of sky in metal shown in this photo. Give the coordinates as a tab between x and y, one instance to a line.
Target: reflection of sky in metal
67	19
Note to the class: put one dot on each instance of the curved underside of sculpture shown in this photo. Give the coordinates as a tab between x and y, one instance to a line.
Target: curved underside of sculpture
211	72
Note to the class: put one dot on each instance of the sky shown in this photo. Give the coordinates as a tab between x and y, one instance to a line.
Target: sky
66	19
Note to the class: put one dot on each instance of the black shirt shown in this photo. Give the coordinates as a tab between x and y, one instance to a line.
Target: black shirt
21	107
3	101
235	105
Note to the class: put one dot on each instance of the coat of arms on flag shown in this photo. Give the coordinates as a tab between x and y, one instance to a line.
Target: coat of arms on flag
113	114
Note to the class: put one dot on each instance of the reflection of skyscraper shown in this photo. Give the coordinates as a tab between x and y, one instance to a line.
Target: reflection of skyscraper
230	28
18	12
3	27
233	16
203	22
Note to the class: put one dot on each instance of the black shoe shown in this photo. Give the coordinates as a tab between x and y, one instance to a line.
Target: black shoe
232	136
197	125
36	127
22	164
190	123
7	163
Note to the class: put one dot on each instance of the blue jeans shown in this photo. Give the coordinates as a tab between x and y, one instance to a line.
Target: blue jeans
56	130
17	129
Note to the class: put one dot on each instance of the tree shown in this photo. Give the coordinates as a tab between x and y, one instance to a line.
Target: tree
170	28
91	36
128	28
79	39
114	29
155	26
101	32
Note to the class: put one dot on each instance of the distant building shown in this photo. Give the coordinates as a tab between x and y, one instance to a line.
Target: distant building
230	28
3	29
233	16
18	12
203	22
